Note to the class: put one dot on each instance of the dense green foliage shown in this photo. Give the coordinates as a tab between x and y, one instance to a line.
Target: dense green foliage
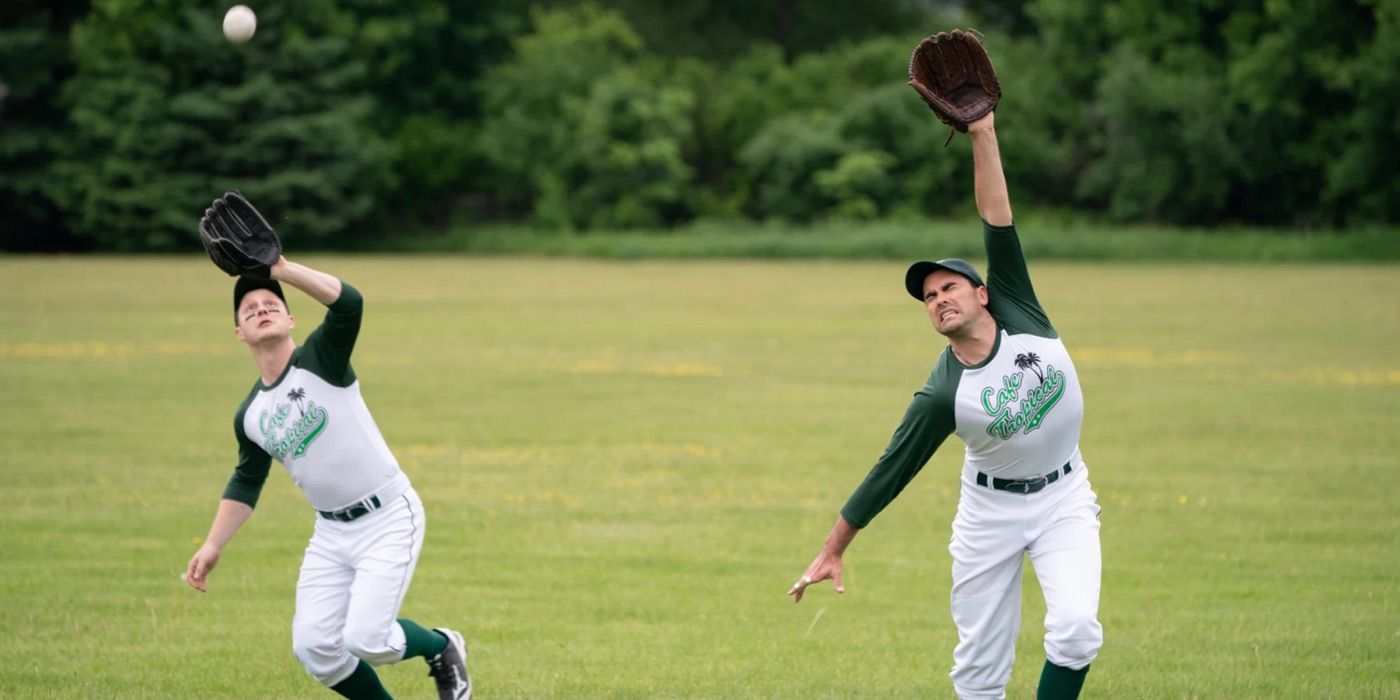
34	63
159	122
364	118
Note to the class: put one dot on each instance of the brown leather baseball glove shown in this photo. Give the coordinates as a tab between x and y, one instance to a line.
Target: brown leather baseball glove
953	74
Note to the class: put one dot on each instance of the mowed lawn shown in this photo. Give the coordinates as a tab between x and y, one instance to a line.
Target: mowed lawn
627	464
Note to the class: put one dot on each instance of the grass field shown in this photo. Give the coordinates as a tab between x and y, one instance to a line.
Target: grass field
626	465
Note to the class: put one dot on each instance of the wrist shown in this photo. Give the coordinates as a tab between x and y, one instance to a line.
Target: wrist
984	125
835	547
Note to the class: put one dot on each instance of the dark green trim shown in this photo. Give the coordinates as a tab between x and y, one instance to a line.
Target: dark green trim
996	345
291	362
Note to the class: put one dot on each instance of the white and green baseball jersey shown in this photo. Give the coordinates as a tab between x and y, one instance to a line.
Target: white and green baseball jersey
314	421
1018	412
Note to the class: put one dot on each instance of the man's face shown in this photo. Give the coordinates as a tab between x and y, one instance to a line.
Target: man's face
952	302
261	317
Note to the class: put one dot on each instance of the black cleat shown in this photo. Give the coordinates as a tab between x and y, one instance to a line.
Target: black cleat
449	668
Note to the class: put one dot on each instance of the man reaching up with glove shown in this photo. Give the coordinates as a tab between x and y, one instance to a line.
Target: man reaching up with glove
305	409
1005	385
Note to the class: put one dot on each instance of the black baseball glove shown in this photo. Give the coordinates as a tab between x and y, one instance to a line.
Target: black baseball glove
238	239
953	74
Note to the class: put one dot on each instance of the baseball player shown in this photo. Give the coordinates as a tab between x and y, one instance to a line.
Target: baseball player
305	410
1006	386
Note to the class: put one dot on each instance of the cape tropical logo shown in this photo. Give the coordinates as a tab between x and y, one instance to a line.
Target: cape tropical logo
1012	414
288	439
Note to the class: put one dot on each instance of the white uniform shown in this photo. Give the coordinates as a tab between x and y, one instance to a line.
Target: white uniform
1025	487
370	522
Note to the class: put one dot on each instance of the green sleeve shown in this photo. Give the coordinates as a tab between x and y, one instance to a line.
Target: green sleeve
326	352
253	464
1011	297
928	421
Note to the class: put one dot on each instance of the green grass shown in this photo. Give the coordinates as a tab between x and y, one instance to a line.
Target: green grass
626	464
1047	237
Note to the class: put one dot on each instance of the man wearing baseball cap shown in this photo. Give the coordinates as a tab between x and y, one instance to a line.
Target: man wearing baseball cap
305	410
1006	386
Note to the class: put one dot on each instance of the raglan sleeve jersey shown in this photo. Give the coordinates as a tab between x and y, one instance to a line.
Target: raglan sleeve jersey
315	422
927	423
1018	412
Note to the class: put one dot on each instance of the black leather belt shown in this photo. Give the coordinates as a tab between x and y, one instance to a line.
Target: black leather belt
1030	485
345	515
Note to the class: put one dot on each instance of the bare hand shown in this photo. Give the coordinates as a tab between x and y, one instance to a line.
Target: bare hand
197	572
825	566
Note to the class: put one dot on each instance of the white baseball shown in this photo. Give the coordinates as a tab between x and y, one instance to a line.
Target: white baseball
240	23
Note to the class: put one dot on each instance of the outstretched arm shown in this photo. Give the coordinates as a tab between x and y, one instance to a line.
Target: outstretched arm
327	349
317	285
989	182
827	565
231	516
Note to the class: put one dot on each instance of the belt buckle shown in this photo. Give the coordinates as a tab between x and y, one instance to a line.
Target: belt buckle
349	514
360	508
1035	483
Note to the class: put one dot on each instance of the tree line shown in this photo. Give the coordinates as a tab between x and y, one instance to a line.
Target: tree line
121	119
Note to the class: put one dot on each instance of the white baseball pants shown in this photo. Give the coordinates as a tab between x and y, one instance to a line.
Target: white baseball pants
353	580
993	530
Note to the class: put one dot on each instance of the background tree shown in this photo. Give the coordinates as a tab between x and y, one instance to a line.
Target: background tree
34	63
582	127
123	119
158	124
425	61
718	31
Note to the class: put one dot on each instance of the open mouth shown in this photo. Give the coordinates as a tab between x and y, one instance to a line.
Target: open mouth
946	314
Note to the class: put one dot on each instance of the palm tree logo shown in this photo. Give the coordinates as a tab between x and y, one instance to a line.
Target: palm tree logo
1030	361
299	393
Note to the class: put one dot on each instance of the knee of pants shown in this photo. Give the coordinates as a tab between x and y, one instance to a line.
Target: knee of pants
324	658
371	645
1074	642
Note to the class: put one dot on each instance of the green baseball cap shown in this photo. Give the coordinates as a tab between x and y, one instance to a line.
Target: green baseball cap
919	271
248	284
